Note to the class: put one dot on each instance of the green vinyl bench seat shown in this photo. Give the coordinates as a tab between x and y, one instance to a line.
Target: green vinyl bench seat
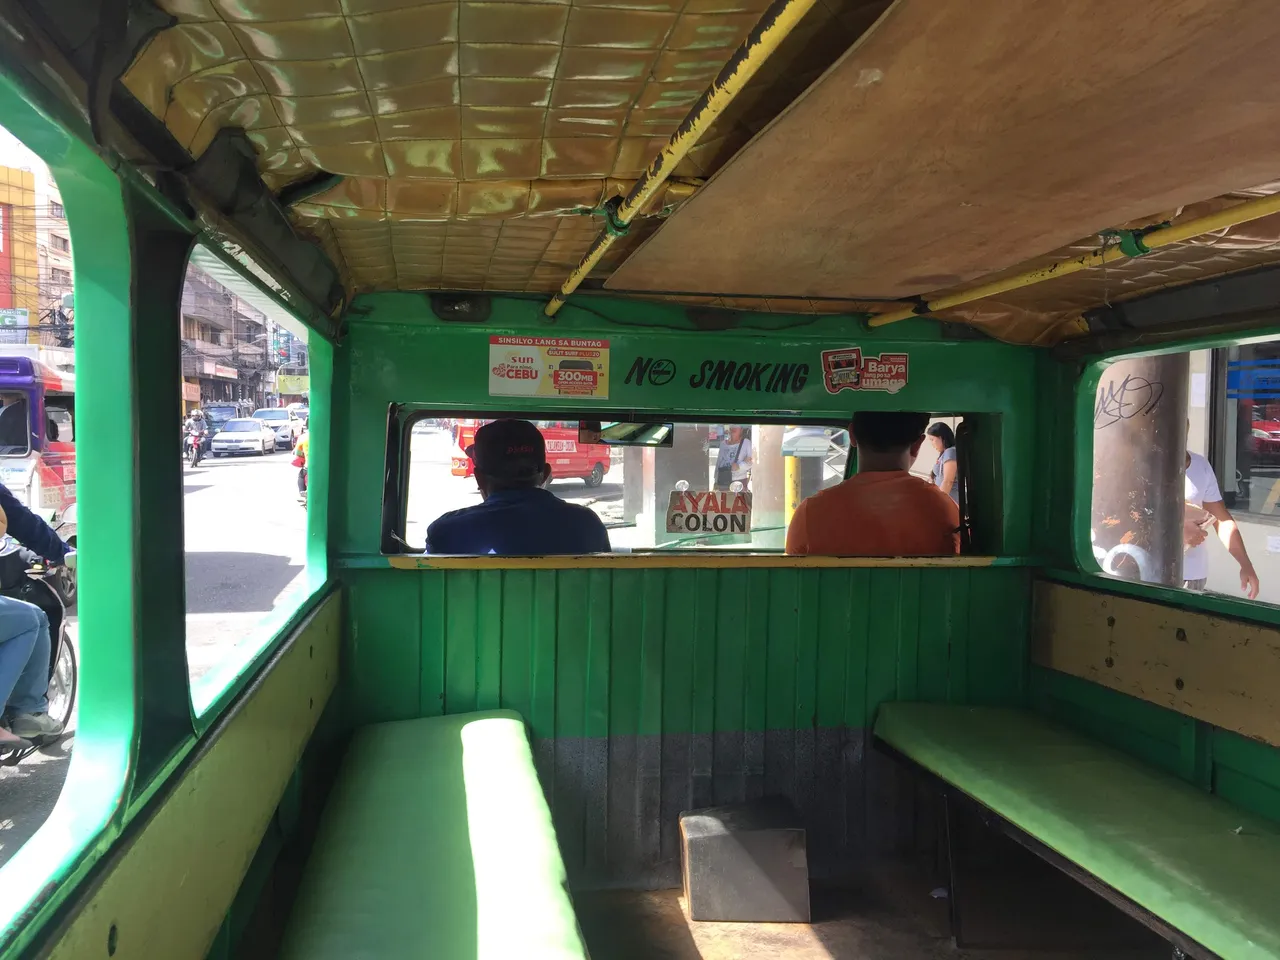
1204	867
436	842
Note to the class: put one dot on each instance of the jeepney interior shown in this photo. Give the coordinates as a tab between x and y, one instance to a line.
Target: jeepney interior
1046	219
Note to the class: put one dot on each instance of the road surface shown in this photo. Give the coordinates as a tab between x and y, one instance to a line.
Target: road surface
245	542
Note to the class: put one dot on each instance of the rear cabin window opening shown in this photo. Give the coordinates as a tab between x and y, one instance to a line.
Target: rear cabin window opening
718	485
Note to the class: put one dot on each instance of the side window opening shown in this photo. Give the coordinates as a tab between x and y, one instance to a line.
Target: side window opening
1186	471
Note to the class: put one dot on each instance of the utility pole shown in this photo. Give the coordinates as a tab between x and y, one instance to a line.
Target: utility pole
1139	462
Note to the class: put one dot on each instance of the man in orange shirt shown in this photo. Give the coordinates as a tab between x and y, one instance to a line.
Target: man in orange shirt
881	511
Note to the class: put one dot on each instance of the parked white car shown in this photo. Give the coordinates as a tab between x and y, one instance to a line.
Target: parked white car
287	426
244	435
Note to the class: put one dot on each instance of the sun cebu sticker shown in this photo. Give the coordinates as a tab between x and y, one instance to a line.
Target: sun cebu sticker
847	369
548	367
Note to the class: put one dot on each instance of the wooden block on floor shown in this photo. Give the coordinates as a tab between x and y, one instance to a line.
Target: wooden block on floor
745	862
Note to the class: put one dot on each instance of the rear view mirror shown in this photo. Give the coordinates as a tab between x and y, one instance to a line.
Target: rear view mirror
621	434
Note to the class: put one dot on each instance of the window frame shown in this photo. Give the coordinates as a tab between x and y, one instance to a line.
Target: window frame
1087	571
395	518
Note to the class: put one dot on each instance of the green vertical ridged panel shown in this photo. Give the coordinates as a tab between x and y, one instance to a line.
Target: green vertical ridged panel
652	691
598	652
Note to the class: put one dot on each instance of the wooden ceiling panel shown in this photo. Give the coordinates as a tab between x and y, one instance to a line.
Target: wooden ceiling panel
958	139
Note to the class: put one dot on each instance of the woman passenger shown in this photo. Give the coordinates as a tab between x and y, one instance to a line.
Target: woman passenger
944	470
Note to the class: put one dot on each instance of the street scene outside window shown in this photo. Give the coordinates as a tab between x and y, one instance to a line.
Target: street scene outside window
677	486
38	474
244	498
1186	477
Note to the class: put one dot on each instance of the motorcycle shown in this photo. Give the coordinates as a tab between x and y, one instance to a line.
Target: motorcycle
193	446
26	576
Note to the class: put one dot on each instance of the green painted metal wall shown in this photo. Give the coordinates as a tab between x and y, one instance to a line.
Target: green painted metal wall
397	352
595	652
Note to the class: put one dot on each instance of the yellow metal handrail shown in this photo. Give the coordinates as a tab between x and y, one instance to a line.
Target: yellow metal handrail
774	26
1160	237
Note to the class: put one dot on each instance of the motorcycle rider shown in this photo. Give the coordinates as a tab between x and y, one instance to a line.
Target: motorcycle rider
300	460
198	426
25	645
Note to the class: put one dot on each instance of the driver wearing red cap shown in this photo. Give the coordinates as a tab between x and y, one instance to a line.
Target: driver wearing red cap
519	517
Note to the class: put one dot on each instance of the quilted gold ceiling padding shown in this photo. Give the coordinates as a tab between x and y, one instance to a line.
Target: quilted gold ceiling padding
444	114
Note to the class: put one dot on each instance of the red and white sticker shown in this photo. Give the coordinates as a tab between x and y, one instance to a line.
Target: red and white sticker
847	368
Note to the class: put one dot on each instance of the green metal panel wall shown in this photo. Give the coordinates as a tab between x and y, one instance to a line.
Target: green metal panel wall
1240	770
650	691
397	352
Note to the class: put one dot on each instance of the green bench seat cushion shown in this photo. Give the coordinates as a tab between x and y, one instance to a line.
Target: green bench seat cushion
436	842
1207	868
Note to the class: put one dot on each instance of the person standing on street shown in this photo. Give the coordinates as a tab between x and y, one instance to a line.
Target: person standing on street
25	646
734	462
1205	510
944	468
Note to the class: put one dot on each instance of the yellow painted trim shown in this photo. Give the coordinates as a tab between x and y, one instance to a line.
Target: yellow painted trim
645	561
1224	672
168	890
773	27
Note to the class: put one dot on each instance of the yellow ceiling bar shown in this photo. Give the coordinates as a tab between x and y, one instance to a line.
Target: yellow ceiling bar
1159	237
778	21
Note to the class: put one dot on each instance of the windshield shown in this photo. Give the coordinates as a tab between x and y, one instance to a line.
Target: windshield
219	413
241	426
271	415
15	432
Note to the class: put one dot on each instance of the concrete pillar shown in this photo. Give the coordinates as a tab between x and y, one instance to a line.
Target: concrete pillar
686	459
632	483
1139	456
768	488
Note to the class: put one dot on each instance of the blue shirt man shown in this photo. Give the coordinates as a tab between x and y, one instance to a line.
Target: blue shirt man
25	644
518	518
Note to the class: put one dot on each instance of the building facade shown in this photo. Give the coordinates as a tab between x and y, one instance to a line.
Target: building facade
226	354
19	261
53	245
36	272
